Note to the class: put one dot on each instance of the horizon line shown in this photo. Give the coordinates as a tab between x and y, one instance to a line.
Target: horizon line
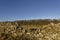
29	19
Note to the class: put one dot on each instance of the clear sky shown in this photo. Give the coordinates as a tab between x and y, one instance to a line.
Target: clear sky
29	9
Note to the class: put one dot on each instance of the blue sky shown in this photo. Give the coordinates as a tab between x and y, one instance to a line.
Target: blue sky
29	9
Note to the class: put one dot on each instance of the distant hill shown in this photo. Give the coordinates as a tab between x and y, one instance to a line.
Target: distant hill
34	22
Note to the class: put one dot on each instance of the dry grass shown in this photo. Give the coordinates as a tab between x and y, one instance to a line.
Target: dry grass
15	31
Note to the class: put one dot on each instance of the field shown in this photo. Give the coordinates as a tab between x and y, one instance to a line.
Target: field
30	30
